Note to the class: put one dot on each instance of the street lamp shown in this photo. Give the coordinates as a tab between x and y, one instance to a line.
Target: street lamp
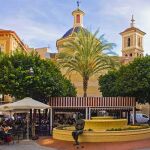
31	71
33	119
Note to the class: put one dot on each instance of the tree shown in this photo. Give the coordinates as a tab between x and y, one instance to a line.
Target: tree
131	80
3	72
87	55
107	84
45	81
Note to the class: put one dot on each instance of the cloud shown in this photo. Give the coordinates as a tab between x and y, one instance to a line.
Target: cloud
34	32
114	16
41	23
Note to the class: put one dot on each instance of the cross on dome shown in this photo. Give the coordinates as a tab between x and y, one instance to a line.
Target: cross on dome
78	3
132	21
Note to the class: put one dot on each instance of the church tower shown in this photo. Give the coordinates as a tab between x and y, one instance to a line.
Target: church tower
78	17
132	43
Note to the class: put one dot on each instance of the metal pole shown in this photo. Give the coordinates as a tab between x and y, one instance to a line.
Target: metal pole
149	111
133	119
128	116
33	123
51	119
86	113
89	113
27	126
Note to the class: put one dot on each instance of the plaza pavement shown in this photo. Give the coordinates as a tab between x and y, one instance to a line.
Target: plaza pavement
144	149
24	145
62	145
50	144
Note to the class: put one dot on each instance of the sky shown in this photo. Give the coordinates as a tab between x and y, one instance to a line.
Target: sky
39	23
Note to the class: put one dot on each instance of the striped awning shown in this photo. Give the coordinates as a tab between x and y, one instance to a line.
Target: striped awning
92	102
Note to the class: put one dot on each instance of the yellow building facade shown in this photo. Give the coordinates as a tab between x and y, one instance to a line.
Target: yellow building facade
10	41
43	52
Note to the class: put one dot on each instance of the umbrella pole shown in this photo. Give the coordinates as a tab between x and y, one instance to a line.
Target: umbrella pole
27	126
51	120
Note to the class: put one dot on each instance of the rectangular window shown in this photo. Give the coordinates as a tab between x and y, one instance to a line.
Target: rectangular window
78	18
1	47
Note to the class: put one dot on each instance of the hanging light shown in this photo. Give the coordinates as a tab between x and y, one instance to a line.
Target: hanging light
31	71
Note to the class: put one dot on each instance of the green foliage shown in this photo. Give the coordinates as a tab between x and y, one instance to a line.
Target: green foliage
129	128
107	84
87	55
130	80
46	80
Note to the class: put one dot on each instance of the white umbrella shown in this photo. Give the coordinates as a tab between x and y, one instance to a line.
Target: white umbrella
24	104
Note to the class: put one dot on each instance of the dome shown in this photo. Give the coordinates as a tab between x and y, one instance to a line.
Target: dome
72	30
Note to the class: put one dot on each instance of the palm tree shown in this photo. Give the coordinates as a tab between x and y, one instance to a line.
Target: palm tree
86	55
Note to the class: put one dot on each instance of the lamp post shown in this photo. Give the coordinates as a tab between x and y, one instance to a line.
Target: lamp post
31	72
33	119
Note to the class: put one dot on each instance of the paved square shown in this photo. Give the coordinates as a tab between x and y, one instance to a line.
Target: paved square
24	145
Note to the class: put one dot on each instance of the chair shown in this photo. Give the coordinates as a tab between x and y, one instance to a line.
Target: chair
11	133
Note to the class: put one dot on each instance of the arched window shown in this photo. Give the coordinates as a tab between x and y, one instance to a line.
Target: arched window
129	42
131	55
126	55
78	18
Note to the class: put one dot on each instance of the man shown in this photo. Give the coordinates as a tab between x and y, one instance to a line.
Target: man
79	127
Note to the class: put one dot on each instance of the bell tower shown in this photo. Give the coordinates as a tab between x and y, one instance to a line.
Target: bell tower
78	16
132	43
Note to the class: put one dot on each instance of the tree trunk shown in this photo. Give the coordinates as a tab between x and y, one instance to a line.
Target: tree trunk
85	85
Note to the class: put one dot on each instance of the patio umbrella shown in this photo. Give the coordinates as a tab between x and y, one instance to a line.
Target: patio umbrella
24	104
